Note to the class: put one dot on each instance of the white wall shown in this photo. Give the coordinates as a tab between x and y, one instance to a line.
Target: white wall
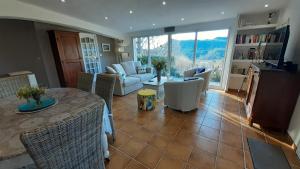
292	13
14	9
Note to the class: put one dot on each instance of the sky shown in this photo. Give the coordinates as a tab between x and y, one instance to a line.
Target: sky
156	41
204	35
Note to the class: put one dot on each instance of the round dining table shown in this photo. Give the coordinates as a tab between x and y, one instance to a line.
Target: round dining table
13	122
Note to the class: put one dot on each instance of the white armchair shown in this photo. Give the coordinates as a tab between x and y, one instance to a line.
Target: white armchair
183	96
205	75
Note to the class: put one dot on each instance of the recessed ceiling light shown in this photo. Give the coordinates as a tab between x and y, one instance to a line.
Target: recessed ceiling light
63	1
182	19
131	11
222	13
266	5
164	3
153	24
106	18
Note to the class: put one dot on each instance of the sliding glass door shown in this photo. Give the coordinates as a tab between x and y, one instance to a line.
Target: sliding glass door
158	49
182	55
140	49
188	50
210	53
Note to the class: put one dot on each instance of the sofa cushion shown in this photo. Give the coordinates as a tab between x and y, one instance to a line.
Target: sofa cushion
141	70
110	70
143	77
131	81
137	64
129	67
118	68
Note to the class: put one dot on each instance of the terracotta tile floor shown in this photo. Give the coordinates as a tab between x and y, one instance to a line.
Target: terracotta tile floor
212	137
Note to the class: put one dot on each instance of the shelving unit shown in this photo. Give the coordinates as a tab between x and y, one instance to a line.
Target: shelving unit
256	27
256	44
238	75
251	39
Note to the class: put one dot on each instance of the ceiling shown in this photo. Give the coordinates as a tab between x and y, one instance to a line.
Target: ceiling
146	13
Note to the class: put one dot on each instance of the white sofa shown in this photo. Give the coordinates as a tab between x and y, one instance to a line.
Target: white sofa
205	75
183	96
129	78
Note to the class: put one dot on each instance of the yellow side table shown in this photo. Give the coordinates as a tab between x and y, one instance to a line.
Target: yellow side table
146	99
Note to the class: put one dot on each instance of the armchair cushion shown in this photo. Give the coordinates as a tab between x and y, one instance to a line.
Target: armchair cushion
129	67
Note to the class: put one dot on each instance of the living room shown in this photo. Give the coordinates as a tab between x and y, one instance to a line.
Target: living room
181	84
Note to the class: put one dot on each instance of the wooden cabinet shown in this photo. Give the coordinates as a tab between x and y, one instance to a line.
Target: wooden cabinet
271	96
67	54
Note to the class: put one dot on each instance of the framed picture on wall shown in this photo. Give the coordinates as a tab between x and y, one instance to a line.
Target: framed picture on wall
105	47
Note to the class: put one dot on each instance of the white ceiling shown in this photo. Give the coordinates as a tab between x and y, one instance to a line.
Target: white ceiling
147	12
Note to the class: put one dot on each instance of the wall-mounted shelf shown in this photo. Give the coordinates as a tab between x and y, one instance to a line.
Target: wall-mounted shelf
237	75
255	27
256	44
246	60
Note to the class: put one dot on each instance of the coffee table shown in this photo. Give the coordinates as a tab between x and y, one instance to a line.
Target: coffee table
159	86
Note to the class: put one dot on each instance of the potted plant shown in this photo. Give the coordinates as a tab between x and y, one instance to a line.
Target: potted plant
31	92
159	65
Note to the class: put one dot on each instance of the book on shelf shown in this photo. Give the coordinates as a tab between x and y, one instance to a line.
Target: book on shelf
263	38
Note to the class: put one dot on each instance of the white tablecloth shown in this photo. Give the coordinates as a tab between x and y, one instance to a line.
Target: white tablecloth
106	129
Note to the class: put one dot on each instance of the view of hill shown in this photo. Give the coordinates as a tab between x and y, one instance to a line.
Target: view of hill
206	49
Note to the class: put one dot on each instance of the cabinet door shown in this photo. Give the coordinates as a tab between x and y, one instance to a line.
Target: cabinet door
68	45
254	82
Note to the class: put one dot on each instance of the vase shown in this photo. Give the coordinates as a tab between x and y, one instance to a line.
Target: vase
37	99
158	75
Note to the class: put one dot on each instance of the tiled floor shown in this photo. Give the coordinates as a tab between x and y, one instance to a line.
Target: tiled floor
212	137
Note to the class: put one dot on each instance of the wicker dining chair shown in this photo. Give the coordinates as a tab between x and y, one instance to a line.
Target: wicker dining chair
10	85
71	143
105	88
85	81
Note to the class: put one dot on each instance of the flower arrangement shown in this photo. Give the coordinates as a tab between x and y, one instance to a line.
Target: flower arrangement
159	64
28	92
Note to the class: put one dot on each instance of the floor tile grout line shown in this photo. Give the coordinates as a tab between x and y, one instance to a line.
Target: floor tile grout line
218	147
243	141
211	105
130	157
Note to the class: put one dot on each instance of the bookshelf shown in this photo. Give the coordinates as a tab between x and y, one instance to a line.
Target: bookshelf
251	38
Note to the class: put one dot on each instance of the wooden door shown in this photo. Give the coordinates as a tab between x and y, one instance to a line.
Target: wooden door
68	58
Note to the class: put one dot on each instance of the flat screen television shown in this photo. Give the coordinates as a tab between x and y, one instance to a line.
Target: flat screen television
276	43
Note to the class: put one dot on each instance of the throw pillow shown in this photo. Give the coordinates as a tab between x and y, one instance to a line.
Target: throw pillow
141	70
200	70
110	70
119	69
129	67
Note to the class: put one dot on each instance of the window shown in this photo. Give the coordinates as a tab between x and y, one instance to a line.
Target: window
182	57
188	50
148	48
140	49
210	53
